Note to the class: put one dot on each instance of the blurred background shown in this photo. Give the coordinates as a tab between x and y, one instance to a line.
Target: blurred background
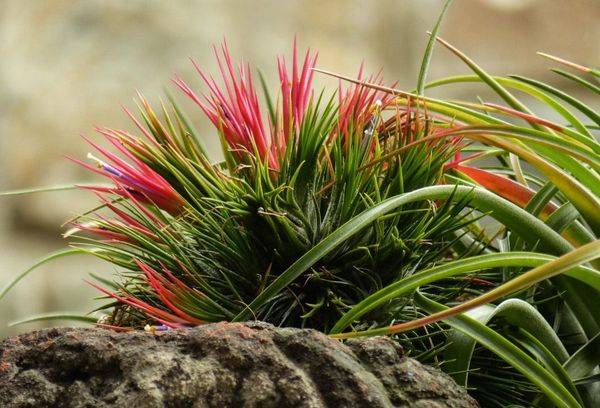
66	66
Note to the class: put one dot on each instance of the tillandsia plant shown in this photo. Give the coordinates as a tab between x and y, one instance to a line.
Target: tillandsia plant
464	230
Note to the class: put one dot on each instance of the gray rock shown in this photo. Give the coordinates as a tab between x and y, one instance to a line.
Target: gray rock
216	365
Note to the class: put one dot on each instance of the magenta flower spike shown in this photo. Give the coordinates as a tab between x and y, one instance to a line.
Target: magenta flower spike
295	92
167	291
234	111
358	103
234	108
132	180
166	318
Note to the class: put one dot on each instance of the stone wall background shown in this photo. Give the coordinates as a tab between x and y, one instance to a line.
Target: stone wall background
66	66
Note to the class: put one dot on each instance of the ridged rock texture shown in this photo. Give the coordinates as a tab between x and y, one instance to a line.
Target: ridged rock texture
216	365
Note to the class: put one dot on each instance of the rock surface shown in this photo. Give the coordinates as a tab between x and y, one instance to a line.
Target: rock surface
216	365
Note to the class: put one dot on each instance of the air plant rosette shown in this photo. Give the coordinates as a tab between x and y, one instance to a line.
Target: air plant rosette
465	230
